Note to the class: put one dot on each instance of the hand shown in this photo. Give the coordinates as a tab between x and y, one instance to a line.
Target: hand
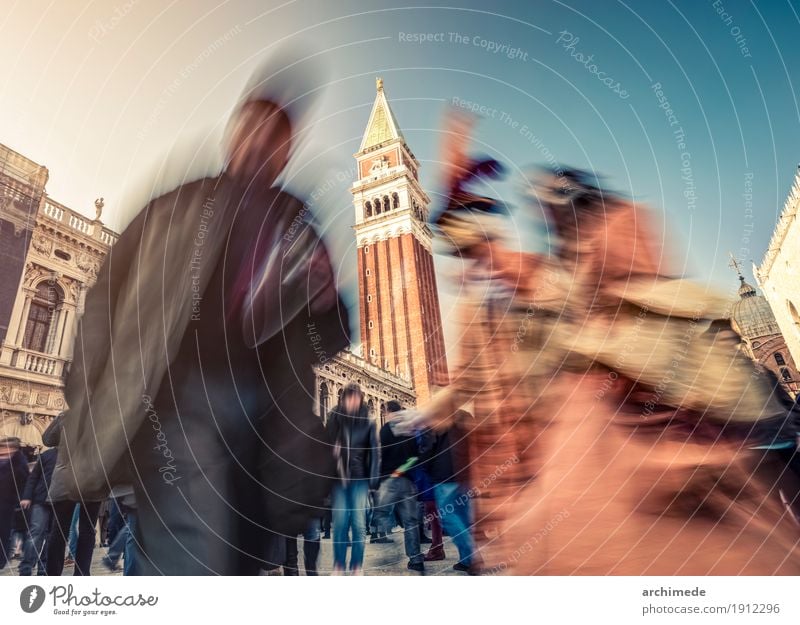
407	422
25	504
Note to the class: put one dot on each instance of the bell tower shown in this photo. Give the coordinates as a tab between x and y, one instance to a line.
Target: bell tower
401	325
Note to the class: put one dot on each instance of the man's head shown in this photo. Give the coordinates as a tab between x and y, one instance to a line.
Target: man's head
9	445
260	143
392	407
351	398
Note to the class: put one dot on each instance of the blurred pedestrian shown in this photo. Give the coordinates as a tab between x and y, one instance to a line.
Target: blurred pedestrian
123	544
446	469
357	454
213	472
39	512
397	492
13	476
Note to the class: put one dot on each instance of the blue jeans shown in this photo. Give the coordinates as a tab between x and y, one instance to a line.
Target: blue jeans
116	520
398	494
454	511
124	542
349	512
38	528
73	531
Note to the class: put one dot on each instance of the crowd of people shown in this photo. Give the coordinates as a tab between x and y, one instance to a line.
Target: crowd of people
47	536
580	432
387	481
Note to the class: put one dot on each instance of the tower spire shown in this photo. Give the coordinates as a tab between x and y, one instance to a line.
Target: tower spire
382	125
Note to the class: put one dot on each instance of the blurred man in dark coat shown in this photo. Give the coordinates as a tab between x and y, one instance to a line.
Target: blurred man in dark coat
39	512
193	374
13	473
356	450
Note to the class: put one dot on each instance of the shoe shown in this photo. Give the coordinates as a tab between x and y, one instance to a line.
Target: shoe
69	562
469	569
424	540
326	535
419	567
106	562
383	540
434	555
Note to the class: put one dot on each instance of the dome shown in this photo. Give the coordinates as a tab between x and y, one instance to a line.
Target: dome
752	316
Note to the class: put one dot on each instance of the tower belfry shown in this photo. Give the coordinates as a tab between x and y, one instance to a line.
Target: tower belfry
401	326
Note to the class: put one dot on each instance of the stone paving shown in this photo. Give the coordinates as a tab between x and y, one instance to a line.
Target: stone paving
379	559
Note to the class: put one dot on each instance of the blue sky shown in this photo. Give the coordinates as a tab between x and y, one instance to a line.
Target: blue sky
100	94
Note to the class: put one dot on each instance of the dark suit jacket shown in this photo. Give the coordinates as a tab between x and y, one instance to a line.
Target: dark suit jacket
39	479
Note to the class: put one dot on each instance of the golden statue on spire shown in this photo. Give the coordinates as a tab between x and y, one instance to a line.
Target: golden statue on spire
379	84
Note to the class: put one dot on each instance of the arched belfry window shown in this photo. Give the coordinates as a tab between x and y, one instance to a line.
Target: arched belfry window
377	205
368	209
386	205
42	317
395	200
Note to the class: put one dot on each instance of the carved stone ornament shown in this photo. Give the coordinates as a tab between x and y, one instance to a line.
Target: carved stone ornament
42	244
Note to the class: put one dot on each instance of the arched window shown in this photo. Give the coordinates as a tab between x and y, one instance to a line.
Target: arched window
377	201
386	206
383	413
42	317
371	407
324	399
395	200
368	209
779	358
786	374
339	397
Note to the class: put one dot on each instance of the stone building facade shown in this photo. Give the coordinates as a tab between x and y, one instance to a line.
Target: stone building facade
778	275
379	386
61	262
762	340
